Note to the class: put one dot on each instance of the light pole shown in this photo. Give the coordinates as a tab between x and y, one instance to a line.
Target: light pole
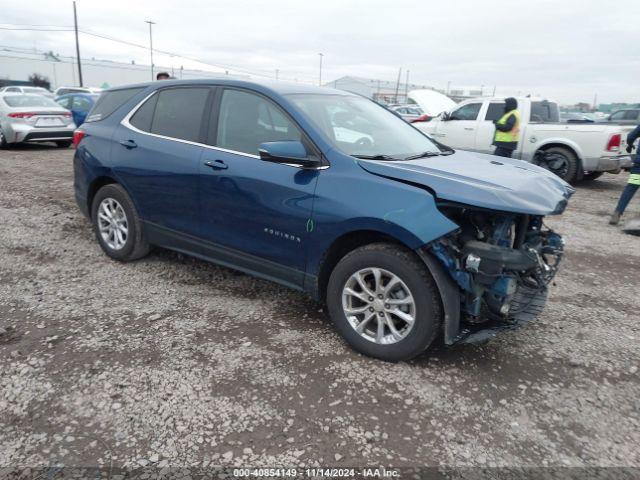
75	26
320	75
151	44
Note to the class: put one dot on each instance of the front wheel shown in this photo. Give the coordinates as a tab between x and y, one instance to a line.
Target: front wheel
384	302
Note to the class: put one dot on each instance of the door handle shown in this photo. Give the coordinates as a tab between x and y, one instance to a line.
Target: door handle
129	144
216	165
469	128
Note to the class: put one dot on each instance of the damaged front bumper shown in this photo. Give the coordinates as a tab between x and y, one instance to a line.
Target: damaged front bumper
493	273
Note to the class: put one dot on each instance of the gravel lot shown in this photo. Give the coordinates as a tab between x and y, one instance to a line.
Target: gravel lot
170	361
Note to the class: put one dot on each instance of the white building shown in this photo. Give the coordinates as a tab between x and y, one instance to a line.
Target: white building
20	64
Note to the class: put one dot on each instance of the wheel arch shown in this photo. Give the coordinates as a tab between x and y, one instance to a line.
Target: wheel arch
95	185
341	246
571	146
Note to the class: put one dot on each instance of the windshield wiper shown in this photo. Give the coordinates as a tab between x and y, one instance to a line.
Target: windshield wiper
423	155
442	153
375	157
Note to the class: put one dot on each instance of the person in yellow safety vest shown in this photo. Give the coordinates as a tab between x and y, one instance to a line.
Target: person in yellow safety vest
507	129
634	179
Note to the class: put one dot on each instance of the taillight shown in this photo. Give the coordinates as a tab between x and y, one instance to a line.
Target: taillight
614	143
78	135
66	114
22	114
421	118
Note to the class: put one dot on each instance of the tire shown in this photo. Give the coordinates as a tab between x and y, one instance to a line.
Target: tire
132	246
572	163
63	143
588	177
426	308
3	140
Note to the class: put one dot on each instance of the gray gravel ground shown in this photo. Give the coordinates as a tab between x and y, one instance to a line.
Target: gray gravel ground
170	361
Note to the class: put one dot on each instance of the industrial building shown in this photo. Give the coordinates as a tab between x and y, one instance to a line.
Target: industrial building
16	65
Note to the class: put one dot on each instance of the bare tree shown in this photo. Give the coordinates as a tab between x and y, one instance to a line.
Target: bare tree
40	80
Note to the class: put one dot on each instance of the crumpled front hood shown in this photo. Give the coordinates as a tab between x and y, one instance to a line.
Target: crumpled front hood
482	180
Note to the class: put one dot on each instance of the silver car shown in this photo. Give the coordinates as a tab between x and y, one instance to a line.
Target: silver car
409	113
34	118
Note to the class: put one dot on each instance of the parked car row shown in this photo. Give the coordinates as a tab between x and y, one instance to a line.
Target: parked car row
26	117
30	114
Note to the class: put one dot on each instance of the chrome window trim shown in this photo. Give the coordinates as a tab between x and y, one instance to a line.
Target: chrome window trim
125	122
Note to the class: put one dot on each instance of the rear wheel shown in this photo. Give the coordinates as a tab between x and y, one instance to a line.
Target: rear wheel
117	225
63	143
561	161
384	302
3	140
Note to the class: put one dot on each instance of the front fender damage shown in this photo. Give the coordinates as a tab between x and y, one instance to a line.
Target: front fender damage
493	273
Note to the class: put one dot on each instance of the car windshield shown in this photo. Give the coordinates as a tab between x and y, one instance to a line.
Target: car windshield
361	128
29	101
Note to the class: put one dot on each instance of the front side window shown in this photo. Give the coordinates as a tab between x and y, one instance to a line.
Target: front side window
178	113
618	115
358	126
81	104
631	115
246	120
466	112
64	102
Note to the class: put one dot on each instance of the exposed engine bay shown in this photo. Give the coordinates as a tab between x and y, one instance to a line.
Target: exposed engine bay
502	262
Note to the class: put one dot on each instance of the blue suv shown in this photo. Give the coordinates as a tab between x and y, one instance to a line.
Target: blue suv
405	239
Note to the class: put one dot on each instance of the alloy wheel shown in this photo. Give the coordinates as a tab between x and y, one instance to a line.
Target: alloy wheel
378	305
112	224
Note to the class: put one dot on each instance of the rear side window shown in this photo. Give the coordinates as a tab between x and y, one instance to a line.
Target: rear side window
494	112
178	113
631	115
246	120
144	116
110	101
544	112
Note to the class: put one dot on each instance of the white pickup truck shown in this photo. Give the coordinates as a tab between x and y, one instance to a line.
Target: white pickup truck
574	151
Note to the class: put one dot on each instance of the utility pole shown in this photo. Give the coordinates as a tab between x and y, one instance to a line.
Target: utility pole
595	102
75	23
277	73
494	91
448	86
320	75
151	44
406	87
397	86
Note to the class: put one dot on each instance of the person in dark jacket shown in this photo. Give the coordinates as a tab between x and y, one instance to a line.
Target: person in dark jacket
634	179
507	129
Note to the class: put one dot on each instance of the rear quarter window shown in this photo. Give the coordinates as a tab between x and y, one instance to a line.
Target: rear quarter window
110	101
544	112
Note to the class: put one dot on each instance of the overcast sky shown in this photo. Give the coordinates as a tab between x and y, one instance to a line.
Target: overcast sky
568	50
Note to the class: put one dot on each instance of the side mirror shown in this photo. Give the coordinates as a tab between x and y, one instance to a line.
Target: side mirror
291	152
445	116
